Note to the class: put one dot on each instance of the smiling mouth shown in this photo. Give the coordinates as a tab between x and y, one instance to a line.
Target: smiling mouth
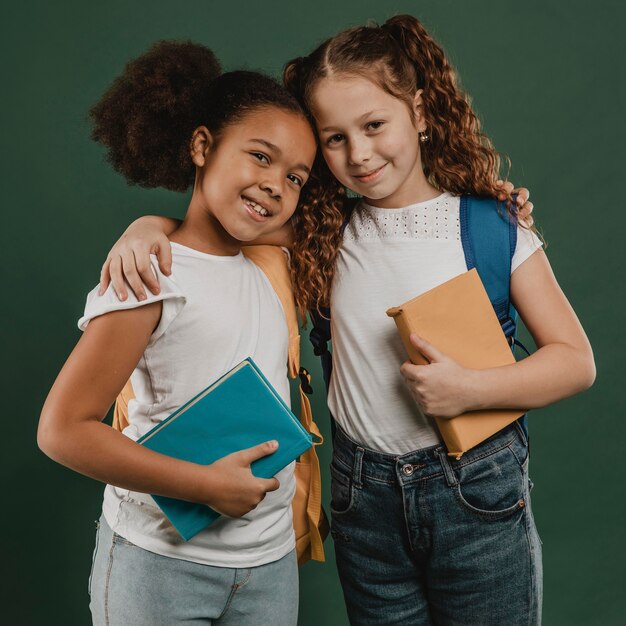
370	176
256	207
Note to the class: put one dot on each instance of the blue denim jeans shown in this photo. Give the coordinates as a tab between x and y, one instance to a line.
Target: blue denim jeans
129	585
425	539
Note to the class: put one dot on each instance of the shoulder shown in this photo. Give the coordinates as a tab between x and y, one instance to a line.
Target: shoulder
170	295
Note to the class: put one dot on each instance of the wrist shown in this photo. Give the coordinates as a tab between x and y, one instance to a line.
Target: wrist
474	389
161	224
202	484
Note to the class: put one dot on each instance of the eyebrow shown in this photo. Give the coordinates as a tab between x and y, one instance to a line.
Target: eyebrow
360	119
279	152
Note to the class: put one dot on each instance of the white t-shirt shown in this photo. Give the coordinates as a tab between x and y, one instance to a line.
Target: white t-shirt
389	256
217	310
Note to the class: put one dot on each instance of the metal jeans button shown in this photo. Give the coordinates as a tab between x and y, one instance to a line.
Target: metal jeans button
407	469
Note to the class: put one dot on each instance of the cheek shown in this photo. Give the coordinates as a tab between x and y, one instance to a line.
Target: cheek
399	146
290	207
335	161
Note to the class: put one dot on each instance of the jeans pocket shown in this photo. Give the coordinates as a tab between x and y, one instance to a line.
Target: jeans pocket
342	492
494	486
93	558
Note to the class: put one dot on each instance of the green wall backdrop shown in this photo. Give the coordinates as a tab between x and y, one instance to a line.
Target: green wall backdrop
547	78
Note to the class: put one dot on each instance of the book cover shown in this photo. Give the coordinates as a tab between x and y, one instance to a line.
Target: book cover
458	319
239	410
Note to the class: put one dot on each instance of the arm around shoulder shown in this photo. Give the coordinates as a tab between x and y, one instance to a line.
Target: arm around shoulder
128	262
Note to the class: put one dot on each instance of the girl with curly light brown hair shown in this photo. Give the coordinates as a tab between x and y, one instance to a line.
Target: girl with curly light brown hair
420	538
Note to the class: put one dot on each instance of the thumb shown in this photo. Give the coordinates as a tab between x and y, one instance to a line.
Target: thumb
269	484
163	251
429	351
249	455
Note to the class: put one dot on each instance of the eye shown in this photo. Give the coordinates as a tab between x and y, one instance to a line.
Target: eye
296	180
334	139
260	157
374	125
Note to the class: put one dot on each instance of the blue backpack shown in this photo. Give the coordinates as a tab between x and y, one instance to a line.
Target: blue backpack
489	238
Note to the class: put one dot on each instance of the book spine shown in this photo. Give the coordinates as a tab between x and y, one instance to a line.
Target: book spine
450	435
405	331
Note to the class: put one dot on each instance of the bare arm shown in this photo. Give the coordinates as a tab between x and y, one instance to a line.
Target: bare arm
72	433
128	262
562	365
281	237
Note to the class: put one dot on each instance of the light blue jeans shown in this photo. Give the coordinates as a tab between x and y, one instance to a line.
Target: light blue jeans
129	585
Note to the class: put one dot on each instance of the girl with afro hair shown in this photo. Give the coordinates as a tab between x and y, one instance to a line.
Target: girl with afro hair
174	120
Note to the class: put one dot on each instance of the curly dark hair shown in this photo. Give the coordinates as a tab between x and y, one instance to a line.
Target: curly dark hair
400	57
147	117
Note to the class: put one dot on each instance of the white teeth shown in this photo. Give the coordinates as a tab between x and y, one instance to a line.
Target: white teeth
255	207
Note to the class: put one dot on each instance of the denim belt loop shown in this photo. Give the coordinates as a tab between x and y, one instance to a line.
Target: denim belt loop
447	468
520	431
357	467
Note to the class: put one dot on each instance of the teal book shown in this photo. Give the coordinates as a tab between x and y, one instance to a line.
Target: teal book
239	410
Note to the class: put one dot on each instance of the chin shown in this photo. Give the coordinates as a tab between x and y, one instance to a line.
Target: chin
373	193
248	235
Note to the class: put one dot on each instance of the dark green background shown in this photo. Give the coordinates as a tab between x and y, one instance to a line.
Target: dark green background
548	81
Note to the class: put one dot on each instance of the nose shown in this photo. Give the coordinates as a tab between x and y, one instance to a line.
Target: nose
359	151
273	185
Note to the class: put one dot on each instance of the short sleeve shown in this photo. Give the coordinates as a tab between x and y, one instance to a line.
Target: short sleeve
527	244
170	294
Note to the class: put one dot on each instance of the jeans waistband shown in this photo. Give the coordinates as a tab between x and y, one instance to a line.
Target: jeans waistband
423	463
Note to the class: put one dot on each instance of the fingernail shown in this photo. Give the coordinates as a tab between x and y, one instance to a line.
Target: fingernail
157	290
273	444
142	296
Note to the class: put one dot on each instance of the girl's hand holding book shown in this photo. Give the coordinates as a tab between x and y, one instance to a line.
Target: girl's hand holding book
235	491
442	387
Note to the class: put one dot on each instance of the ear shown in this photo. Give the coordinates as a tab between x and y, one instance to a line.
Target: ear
201	142
418	111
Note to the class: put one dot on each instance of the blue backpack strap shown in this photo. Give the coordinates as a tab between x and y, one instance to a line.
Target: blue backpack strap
489	238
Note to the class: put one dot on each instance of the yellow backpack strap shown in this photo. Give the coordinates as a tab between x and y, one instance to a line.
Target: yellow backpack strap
316	520
272	260
120	413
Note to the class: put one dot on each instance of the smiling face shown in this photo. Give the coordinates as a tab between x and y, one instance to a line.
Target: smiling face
369	139
248	181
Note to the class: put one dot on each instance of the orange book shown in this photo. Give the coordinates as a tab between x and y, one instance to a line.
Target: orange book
458	319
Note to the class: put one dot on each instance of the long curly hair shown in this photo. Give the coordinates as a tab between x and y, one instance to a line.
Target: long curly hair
401	58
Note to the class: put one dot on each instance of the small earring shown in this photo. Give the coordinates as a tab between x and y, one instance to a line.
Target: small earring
423	136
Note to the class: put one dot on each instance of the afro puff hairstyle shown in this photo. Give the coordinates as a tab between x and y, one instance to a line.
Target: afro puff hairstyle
147	117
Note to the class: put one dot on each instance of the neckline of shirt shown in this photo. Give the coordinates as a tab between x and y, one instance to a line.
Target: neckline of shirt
221	258
416	205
